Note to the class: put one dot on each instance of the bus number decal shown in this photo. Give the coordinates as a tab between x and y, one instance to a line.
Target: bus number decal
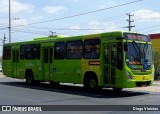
29	64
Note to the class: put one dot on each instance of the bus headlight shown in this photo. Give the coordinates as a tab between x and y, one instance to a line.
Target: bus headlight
128	75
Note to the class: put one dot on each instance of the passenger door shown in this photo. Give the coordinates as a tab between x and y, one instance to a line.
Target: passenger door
47	61
110	57
15	62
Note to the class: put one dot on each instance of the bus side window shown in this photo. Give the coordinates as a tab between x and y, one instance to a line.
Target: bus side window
31	51
7	53
92	49
59	50
119	56
74	49
22	52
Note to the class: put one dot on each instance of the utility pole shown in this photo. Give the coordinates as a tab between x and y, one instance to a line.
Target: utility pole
129	22
9	21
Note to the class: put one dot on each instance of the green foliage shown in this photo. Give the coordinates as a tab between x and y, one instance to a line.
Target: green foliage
156	59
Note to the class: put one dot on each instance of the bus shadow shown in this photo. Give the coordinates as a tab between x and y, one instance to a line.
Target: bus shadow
77	90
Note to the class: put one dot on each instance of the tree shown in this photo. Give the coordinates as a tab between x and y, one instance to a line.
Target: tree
156	60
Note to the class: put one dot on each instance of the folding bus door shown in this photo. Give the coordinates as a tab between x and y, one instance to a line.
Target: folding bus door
47	61
109	64
15	63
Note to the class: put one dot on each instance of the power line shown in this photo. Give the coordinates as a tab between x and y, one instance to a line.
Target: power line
86	27
85	13
32	32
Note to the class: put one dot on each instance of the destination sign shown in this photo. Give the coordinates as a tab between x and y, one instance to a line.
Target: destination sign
136	37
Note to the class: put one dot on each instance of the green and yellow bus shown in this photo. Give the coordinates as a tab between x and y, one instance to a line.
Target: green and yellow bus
113	59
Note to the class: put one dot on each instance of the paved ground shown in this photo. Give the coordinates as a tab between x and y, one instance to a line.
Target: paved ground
154	88
1	75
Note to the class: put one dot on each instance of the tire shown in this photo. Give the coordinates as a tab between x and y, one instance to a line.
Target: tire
29	78
117	89
54	84
91	84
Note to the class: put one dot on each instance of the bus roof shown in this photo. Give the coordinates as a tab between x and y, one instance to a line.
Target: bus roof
62	37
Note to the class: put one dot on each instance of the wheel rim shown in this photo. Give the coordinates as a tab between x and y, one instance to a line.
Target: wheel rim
92	83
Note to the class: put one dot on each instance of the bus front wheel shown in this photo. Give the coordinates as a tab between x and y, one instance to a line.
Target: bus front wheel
91	83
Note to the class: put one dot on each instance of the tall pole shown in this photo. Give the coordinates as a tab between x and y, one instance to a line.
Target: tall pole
129	22
9	21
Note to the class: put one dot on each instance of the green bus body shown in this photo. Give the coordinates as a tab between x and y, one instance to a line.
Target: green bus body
69	60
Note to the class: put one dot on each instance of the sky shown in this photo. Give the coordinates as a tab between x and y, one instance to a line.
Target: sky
38	18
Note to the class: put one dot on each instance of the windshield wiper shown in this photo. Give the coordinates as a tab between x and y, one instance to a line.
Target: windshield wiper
145	52
136	48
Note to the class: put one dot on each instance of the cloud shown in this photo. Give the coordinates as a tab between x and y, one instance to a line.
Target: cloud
76	0
74	27
55	9
14	22
146	15
19	22
3	22
109	3
102	26
36	18
16	6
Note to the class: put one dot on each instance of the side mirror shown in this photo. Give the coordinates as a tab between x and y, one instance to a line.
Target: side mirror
125	47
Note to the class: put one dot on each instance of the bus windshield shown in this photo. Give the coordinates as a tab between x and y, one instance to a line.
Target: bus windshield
139	56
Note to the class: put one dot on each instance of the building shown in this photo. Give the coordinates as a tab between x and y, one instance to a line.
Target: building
155	39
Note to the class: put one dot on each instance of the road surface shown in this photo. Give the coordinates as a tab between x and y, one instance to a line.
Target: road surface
16	92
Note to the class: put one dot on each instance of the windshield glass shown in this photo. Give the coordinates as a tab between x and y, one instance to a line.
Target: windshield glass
139	56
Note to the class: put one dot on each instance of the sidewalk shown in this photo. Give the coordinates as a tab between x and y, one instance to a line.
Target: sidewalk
1	75
156	83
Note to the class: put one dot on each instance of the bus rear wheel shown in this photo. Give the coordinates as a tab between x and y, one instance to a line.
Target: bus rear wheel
117	89
29	78
54	84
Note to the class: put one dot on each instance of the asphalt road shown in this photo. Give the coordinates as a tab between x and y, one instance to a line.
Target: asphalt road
16	92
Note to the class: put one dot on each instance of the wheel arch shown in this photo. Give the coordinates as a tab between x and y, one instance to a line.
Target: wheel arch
28	71
88	75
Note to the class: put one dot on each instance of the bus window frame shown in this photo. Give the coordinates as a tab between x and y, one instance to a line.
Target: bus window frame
22	54
7	54
31	53
76	52
91	50
61	55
